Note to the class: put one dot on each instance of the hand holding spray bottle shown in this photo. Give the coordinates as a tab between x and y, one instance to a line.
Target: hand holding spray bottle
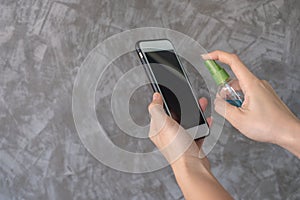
229	89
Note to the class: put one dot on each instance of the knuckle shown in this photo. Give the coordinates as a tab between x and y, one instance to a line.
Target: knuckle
229	112
235	57
218	51
235	116
149	107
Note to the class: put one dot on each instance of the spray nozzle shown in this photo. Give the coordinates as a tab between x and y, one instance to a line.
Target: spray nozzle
218	73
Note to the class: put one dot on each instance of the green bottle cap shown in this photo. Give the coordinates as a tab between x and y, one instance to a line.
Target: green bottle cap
218	73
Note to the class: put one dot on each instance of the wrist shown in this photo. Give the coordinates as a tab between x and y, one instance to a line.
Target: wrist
289	139
187	163
196	180
180	163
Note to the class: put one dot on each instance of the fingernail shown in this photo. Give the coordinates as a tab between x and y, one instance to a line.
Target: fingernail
204	56
155	96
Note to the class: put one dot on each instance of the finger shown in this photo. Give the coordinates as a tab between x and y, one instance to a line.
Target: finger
232	113
158	115
209	121
199	142
155	108
238	68
203	103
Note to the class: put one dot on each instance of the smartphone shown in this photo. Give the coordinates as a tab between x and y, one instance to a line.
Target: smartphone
168	77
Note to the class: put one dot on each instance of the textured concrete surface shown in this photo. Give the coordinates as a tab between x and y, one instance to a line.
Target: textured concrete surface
42	45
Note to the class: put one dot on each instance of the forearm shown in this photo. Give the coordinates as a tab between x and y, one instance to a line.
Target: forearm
290	139
196	181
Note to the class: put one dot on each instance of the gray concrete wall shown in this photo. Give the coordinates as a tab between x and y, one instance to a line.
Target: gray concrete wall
42	45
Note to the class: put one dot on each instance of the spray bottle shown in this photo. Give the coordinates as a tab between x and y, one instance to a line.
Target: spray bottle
229	89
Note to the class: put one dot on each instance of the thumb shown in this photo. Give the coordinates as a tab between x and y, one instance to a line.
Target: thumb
155	108
232	113
158	115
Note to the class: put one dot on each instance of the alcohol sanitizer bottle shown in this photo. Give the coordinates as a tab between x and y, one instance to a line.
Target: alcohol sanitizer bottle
229	89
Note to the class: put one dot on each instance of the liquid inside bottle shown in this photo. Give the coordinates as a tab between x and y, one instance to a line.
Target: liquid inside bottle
231	92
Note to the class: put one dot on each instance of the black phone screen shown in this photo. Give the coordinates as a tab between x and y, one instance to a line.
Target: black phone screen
175	88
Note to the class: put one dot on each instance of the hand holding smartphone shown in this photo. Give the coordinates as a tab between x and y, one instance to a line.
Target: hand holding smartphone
168	77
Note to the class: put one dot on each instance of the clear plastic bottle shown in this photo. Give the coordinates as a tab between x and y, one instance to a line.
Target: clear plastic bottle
228	89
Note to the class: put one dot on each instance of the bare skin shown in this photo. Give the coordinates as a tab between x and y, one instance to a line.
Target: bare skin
193	174
263	117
